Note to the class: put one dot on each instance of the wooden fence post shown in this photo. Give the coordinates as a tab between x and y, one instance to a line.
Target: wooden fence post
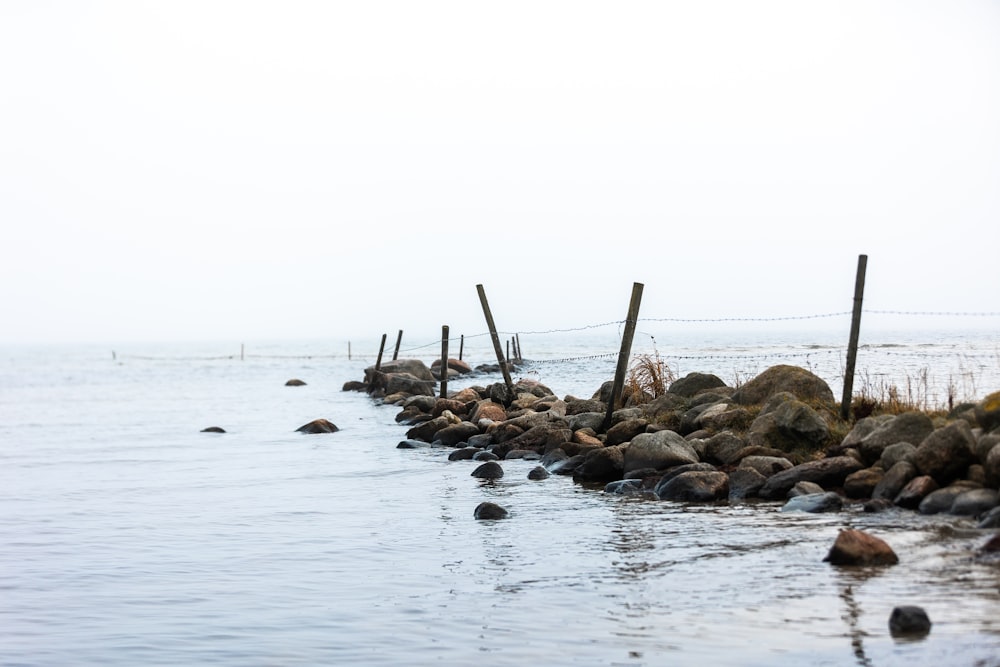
399	338
378	361
852	345
623	355
517	339
444	361
496	340
461	346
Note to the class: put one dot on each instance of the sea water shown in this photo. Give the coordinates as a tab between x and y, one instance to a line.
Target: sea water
130	537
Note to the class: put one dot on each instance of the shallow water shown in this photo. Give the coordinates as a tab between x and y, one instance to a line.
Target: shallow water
129	537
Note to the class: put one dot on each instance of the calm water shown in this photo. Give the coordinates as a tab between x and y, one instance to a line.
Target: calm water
128	537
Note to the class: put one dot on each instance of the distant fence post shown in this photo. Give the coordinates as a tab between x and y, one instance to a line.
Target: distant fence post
517	340
852	345
496	340
461	346
242	356
348	350
444	361
381	348
619	384
399	338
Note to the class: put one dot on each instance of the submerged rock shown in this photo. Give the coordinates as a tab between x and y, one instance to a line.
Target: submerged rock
213	429
489	470
909	621
318	426
854	547
489	511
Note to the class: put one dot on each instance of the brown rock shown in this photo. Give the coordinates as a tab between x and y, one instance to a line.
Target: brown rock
854	547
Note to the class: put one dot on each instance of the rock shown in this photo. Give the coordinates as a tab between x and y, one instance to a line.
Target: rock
213	429
722	448
457	365
538	473
318	426
620	486
744	483
766	465
695	486
862	428
483	455
804	489
295	382
915	491
876	505
489	511
427	430
692	383
987	412
974	502
721	416
487	409
828	472
464	454
894	480
805	385
940	500
453	434
854	547
660	450
893	454
990	520
909	621
814	503
992	545
625	430
405	383
861	484
488	470
946	453
910	427
601	465
991	466
412	444
414	367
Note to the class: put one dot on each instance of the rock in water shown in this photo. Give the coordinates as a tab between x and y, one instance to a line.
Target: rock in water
318	426
295	382
853	547
213	429
489	470
909	621
489	511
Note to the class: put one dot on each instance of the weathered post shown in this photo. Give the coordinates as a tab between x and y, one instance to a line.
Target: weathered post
348	350
623	355
461	346
444	361
852	345
399	338
378	361
496	340
517	339
508	350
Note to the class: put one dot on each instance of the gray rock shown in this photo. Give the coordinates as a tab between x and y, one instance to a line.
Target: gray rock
990	520
692	383
912	427
806	386
975	502
488	470
744	483
791	425
489	512
946	453
894	480
941	500
695	486
915	491
538	473
814	503
804	489
464	454
766	465
618	487
660	450
829	472
601	465
893	454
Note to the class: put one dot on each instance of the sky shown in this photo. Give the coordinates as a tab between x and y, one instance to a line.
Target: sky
249	170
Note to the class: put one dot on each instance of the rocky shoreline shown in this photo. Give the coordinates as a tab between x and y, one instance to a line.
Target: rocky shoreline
777	437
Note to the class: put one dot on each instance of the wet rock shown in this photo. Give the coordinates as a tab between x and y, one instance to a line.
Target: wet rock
318	426
861	484
974	502
489	410
463	454
987	412
412	444
941	500
625	430
744	483
992	545
915	491
453	434
877	505
695	486
909	621
490	512
488	470
991	466
619	487
829	472
295	382
483	455
427	430
538	473
602	465
990	519
854	547
766	465
814	503
395	383
213	429
894	480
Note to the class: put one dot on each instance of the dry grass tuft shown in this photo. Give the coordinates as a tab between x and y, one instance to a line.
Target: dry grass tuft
648	378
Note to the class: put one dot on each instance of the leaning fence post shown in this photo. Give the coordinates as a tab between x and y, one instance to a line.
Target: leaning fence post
378	361
623	356
496	340
444	361
852	345
517	339
399	338
461	346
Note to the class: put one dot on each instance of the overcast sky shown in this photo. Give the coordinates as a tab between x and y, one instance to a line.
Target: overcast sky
255	170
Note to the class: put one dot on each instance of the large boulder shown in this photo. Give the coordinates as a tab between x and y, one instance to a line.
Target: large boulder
814	503
828	472
318	426
601	465
915	491
893	481
414	367
861	484
659	451
805	385
406	383
946	453
745	483
453	434
625	430
790	426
